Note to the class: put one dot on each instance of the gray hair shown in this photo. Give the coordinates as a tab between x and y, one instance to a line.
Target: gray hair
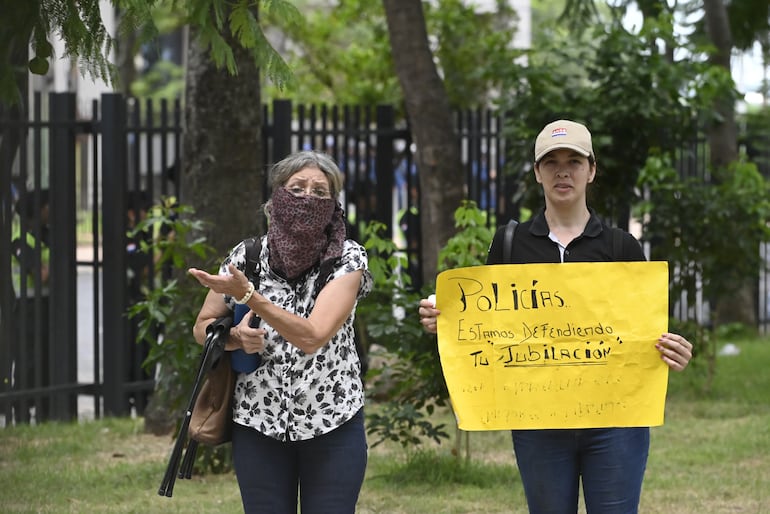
282	170
285	168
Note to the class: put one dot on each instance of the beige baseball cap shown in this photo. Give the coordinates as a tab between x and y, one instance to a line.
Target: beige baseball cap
563	134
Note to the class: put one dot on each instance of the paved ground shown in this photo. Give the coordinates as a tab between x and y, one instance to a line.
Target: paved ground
87	333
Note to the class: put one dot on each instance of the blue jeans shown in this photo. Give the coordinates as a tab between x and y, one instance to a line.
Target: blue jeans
610	461
328	470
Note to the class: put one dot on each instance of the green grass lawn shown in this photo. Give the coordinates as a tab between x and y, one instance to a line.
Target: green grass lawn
712	455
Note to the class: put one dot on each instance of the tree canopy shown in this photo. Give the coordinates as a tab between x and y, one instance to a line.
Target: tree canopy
34	23
341	53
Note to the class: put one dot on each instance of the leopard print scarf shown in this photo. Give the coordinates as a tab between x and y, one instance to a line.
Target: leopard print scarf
302	232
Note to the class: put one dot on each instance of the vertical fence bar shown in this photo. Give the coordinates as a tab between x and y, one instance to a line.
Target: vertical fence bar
63	269
499	163
96	263
8	199
761	294
281	129
166	169
383	164
114	185
337	148
177	138
150	137
300	127
26	340
34	351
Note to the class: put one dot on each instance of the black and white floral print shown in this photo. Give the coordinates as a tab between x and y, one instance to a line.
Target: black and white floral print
294	396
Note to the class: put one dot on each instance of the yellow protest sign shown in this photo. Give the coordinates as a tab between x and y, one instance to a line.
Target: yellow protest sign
554	345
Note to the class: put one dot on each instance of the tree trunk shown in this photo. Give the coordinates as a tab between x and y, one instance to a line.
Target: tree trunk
125	53
222	179
723	132
723	145
222	142
430	117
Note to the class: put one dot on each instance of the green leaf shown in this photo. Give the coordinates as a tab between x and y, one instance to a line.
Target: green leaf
38	65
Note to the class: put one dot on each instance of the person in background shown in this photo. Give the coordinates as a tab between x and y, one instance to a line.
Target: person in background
139	264
610	461
298	418
30	274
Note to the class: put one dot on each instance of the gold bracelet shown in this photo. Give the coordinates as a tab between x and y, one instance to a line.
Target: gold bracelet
247	296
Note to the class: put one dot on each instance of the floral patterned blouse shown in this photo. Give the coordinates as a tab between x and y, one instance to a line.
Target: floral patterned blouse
292	395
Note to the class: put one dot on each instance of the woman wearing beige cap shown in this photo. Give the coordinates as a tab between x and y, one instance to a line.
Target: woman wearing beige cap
610	461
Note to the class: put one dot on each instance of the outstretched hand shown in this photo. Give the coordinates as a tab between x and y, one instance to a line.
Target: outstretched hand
235	284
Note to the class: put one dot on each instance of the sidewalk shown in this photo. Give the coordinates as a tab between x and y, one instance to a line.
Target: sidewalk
85	253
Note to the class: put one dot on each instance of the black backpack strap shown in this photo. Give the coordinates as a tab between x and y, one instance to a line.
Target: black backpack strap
253	266
617	244
510	228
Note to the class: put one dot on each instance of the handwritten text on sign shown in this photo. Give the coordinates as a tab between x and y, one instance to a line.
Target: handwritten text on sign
554	345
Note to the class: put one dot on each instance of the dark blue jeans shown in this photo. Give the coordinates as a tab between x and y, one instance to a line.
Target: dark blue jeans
610	461
328	470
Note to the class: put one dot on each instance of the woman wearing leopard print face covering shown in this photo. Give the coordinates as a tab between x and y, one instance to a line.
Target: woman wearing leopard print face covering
298	419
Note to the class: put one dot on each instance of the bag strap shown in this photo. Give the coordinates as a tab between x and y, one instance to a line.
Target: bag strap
213	348
510	228
617	244
253	264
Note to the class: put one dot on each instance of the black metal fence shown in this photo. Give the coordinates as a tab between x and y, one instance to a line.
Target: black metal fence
67	346
65	335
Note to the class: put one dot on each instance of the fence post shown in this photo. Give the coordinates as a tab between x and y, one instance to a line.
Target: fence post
7	153
63	271
281	129
114	301
384	165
